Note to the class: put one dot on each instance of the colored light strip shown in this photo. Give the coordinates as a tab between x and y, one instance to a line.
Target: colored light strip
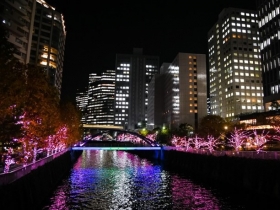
116	148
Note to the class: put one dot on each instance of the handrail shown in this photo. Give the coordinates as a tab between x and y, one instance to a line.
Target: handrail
9	177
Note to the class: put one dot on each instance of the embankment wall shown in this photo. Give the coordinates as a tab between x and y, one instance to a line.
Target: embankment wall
30	191
257	176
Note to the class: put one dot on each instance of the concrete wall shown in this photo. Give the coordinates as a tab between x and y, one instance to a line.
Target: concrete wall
257	176
30	191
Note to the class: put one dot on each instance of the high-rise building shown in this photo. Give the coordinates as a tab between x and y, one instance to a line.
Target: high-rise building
81	102
133	74
101	96
38	33
186	90
156	98
17	17
235	64
48	42
269	28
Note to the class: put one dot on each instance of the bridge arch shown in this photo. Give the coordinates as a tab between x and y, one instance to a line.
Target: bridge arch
106	131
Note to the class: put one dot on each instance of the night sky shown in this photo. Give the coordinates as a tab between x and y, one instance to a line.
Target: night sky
98	30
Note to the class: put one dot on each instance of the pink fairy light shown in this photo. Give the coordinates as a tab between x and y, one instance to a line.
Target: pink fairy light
9	160
237	138
211	142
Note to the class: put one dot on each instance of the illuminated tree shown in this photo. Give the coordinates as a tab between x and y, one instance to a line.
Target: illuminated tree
9	160
260	139
11	101
143	132
197	141
211	142
71	118
41	113
152	136
237	138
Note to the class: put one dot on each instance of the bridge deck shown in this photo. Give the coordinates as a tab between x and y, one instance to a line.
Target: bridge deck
113	145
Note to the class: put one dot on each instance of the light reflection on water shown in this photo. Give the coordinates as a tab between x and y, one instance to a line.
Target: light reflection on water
120	180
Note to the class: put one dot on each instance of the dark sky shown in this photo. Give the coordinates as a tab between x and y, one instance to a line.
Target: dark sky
98	30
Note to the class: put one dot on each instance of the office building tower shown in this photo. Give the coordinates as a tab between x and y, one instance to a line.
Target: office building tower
38	33
133	74
269	28
156	98
235	65
101	96
81	102
186	90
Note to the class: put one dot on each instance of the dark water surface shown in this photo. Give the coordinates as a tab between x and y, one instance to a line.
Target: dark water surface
120	180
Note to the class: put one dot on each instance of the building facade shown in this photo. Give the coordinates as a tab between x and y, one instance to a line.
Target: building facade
17	17
157	98
235	72
38	33
269	27
133	74
48	42
101	96
186	90
81	102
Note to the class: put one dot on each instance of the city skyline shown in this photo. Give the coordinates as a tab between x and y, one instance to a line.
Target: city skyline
96	35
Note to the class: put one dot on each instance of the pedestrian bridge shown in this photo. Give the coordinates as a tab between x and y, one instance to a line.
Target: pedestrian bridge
114	138
113	145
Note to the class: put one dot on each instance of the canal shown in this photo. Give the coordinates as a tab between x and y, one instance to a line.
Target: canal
106	180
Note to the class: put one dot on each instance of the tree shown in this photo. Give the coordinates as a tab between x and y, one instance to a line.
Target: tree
163	135
274	105
12	88
71	117
185	129
211	125
237	138
40	117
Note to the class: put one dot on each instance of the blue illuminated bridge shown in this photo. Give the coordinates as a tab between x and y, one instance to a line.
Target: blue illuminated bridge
98	137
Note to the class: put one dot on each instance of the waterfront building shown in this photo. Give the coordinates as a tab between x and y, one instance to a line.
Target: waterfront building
235	71
38	33
100	100
269	28
17	17
133	74
48	42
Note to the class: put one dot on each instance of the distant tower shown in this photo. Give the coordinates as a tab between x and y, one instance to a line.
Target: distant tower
101	96
235	64
157	97
81	102
186	90
269	28
133	74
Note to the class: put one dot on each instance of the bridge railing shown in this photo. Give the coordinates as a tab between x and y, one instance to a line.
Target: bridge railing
6	178
244	154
